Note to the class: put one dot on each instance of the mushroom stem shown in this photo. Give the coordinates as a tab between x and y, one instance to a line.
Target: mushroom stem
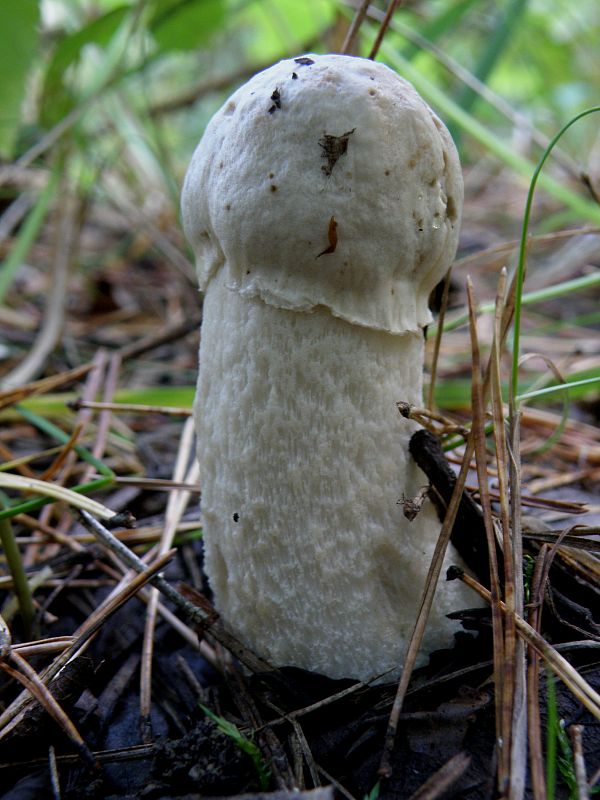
305	458
323	204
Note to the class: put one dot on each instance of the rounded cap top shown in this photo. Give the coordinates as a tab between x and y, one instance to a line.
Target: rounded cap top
327	181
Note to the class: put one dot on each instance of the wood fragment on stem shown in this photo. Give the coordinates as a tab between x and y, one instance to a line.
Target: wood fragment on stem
456	495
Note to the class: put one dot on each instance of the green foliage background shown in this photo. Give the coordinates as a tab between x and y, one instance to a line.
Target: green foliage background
113	95
541	56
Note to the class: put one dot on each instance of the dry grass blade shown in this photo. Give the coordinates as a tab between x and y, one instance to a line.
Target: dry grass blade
158	484
437	561
193	612
536	759
176	505
509	710
505	248
306	753
46	489
28	677
9	397
133	408
478	436
54	776
12	715
67	448
169	333
53	644
595	780
576	732
442	780
539	586
582	690
301	712
5	638
425	417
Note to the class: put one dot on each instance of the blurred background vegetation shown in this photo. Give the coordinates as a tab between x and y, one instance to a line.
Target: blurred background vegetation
103	101
101	105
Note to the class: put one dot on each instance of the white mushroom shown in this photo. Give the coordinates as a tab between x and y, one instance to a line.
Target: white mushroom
323	204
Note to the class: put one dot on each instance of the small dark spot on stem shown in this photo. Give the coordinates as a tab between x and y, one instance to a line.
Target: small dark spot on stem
236	517
247	272
228	207
273	188
387	172
304	61
294	76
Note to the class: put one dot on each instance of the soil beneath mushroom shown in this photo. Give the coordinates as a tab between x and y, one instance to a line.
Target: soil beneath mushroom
183	753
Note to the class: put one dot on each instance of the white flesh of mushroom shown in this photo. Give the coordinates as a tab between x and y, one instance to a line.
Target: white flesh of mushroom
323	204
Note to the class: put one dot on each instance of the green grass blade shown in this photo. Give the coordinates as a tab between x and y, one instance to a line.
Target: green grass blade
558	388
55	432
27	235
452	111
444	22
523	251
528	299
19	577
493	50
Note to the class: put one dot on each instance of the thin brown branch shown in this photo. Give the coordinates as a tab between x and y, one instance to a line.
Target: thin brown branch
28	677
436	785
175	508
385	767
580	688
9	397
385	23
481	462
576	733
130	408
354	28
83	636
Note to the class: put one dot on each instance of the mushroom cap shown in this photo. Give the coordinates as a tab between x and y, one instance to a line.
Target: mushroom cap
327	181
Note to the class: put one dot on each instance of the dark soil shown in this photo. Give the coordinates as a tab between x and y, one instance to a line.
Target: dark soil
181	752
